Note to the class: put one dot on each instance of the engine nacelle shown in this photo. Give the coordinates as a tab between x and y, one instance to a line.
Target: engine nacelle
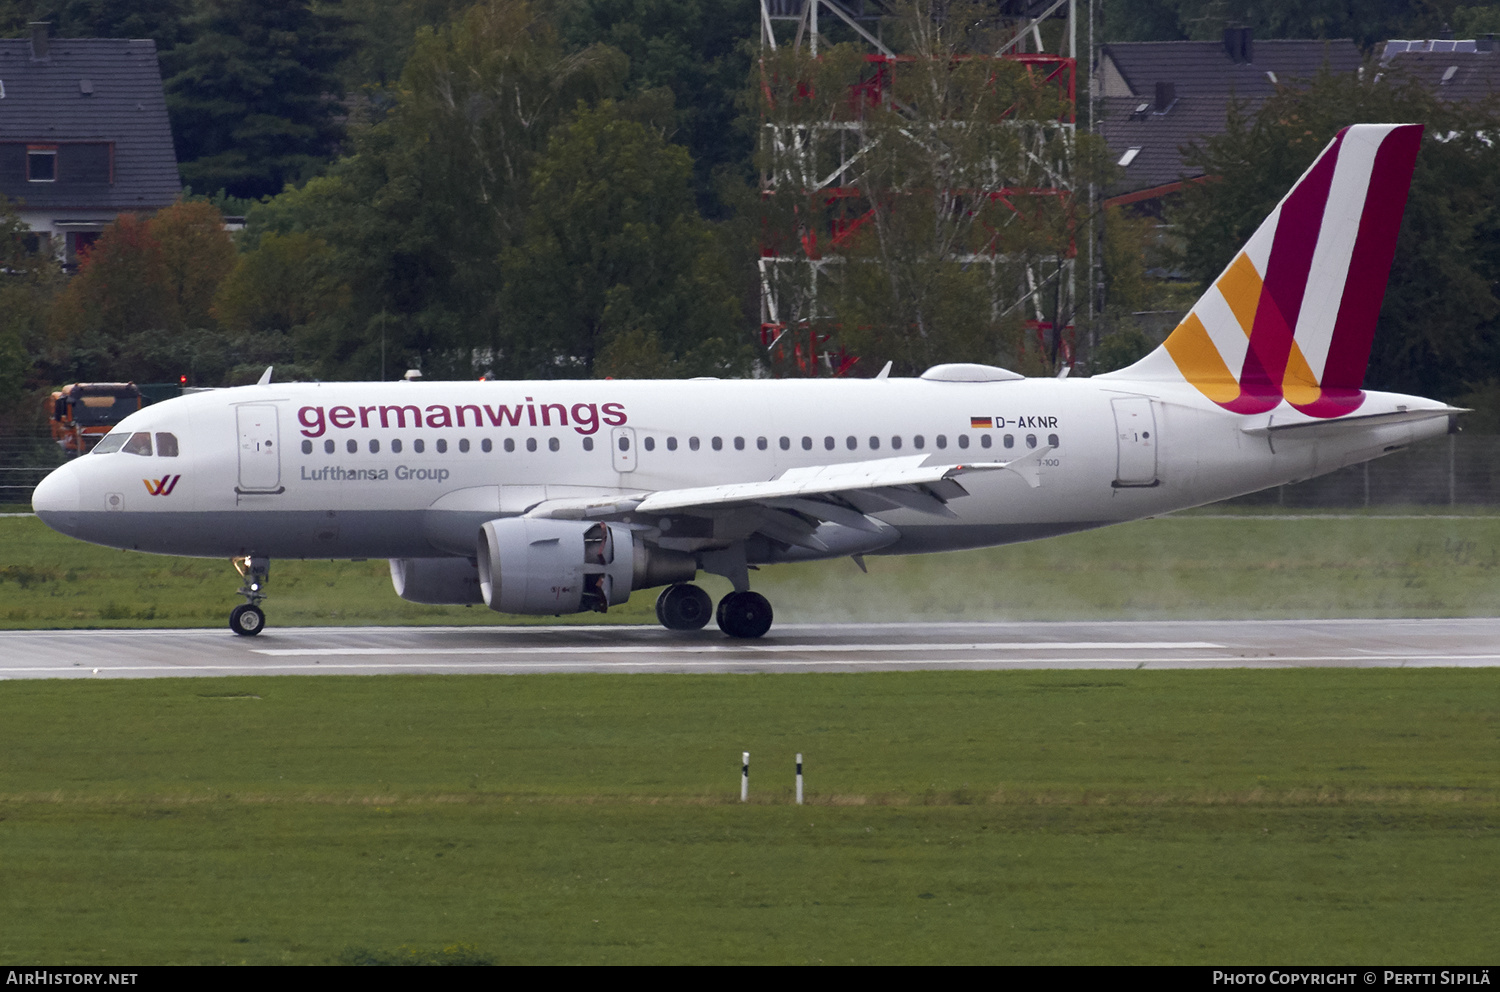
437	581
554	566
543	566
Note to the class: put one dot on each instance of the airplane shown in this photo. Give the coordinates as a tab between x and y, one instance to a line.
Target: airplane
557	497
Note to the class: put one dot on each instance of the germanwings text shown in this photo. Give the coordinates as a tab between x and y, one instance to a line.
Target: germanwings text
584	418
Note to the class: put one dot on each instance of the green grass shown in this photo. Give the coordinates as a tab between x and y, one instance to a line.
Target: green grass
1183	566
1303	816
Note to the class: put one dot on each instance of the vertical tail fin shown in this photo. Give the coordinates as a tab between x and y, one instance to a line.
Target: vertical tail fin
1293	315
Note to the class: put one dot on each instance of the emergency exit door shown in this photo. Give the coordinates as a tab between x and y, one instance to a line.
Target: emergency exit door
259	449
1136	438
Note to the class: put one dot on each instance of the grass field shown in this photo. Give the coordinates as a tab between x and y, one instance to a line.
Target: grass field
1304	816
1187	566
1048	817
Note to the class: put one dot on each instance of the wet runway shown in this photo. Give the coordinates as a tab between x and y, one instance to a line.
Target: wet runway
788	648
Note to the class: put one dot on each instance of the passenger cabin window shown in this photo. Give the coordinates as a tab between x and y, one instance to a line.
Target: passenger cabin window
328	446
139	444
396	446
166	444
717	443
671	444
588	444
487	446
307	447
1052	440
418	445
510	444
649	443
352	446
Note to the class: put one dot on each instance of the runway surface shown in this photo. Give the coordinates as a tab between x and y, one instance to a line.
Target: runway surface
788	648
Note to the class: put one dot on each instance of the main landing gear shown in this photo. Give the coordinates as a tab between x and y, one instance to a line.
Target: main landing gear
248	619
742	614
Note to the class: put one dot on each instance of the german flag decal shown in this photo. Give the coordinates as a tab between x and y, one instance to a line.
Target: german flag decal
977	423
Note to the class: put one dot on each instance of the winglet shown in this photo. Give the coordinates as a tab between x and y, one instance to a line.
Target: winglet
265	377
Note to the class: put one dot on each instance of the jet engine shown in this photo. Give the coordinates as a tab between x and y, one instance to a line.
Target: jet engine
438	581
569	566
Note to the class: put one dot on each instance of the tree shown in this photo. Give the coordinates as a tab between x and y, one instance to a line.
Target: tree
437	190
120	287
929	195
27	282
693	50
139	305
284	297
617	274
1440	325
253	95
163	21
1368	22
198	255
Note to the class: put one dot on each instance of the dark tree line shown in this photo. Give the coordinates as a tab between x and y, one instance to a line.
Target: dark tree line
566	188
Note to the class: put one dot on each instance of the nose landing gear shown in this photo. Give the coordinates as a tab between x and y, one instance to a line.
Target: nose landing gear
248	619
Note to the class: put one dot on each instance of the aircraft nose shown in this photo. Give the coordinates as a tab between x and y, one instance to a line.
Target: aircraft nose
56	500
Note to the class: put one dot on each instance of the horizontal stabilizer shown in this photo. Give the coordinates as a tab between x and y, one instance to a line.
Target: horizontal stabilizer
1343	425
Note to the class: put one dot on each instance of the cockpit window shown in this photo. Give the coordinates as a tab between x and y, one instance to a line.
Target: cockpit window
139	444
112	442
166	445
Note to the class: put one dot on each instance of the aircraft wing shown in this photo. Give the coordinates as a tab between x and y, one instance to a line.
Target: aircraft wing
909	472
789	507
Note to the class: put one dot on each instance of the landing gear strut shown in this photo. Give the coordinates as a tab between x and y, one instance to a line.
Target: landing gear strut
683	607
249	619
744	614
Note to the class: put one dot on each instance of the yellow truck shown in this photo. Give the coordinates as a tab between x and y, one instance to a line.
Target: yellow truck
84	412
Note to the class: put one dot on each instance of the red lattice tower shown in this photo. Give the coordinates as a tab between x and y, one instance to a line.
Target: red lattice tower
798	335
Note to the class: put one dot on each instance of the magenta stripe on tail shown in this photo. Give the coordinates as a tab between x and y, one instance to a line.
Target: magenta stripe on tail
1370	266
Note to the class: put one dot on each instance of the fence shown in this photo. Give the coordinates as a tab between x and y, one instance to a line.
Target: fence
24	459
1459	470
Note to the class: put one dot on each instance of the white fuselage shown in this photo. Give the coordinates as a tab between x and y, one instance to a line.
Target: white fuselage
409	470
